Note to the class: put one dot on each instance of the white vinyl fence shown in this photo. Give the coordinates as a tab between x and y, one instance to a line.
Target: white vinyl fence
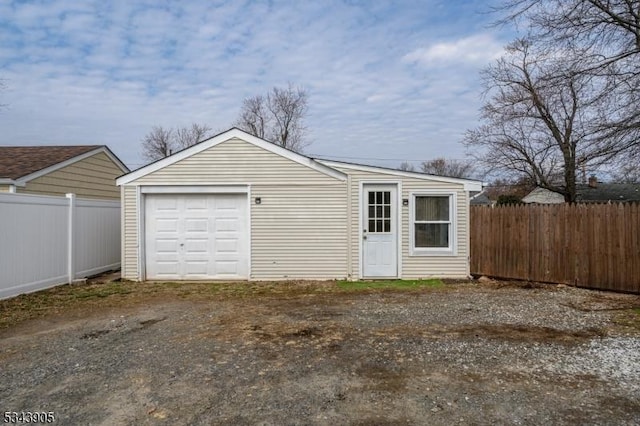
46	241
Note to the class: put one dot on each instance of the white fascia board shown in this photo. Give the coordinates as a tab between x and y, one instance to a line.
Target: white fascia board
469	184
223	137
195	189
24	179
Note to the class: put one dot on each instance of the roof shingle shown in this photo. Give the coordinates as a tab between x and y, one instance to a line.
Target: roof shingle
20	161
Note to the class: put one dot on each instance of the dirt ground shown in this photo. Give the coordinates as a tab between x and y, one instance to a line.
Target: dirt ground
493	353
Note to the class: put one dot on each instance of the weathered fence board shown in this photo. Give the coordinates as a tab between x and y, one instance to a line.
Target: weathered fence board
588	245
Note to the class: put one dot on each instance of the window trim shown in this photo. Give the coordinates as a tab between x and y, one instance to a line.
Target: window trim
451	250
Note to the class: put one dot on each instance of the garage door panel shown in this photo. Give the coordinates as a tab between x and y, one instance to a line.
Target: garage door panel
196	245
166	225
196	236
226	246
226	225
166	204
199	268
193	202
200	224
165	246
167	268
229	267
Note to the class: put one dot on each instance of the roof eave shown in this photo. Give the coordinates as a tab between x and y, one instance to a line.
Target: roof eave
22	180
468	184
223	137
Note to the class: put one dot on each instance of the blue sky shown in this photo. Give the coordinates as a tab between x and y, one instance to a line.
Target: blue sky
388	81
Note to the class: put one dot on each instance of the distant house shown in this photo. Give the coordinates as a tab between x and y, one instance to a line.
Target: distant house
89	171
479	198
593	192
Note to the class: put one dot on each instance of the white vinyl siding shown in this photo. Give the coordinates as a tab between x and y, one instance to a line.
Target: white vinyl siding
297	231
414	266
129	233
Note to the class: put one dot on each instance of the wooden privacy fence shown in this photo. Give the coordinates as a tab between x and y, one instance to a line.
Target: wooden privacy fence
587	245
46	241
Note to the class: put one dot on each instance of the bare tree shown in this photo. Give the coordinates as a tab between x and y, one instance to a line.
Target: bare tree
405	166
605	34
450	168
161	142
254	116
189	136
157	144
542	119
627	172
277	117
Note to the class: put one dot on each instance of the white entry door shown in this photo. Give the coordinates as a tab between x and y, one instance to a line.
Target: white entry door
380	231
196	236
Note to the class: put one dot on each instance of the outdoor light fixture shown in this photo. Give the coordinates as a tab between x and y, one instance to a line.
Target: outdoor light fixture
258	200
405	201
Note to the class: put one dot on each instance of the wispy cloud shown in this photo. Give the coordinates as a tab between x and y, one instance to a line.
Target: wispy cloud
477	49
105	72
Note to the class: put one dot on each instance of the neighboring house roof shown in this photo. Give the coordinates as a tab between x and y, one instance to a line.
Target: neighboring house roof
20	164
609	192
601	192
323	166
479	199
543	196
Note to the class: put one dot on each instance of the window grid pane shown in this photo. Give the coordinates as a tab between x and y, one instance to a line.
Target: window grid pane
379	211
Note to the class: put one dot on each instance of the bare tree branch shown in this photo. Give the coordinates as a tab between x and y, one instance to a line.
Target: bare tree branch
157	144
405	166
450	168
277	117
161	142
189	136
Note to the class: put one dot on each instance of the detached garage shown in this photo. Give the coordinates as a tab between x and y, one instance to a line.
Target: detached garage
239	207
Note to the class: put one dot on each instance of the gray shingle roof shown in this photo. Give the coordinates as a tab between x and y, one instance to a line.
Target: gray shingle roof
609	192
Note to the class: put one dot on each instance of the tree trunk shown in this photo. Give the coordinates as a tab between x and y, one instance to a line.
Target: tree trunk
570	179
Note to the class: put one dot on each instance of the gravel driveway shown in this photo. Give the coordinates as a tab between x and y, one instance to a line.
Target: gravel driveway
461	354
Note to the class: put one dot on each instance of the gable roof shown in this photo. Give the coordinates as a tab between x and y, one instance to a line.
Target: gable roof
469	184
20	164
223	137
323	166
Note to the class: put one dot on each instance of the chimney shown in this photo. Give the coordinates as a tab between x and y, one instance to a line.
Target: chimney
593	181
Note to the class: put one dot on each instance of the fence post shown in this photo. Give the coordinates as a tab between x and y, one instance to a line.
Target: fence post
70	236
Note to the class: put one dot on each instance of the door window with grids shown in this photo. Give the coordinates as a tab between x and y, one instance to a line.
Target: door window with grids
379	212
432	227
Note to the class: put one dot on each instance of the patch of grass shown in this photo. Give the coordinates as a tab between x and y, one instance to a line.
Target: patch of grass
100	291
390	284
79	299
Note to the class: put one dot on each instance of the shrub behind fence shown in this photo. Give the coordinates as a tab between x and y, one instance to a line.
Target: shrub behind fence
588	245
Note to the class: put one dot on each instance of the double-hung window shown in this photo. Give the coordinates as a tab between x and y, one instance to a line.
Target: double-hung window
433	224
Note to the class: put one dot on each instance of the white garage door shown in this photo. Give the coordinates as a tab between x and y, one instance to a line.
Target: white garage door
196	236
